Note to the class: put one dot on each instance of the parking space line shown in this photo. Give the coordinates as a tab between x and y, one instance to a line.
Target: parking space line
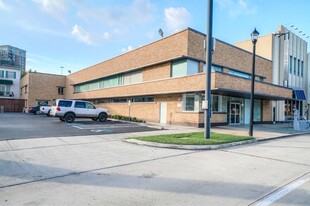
77	127
282	192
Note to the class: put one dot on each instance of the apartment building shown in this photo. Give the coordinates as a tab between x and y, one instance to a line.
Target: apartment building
12	57
164	82
41	89
9	82
290	58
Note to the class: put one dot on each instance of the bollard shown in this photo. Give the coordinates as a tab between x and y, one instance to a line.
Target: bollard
1	109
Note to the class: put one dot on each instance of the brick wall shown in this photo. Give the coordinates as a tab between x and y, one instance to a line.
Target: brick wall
229	56
244	85
42	86
160	71
155	52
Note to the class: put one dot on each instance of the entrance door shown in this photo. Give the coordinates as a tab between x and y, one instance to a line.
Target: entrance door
235	113
163	112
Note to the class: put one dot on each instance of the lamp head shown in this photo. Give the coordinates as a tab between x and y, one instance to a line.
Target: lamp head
254	36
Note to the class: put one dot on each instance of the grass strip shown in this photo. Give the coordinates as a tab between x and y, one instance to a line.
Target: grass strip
196	138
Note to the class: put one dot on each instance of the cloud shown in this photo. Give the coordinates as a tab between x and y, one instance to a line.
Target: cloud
236	8
138	13
129	48
81	35
47	64
4	6
30	26
176	18
106	36
56	8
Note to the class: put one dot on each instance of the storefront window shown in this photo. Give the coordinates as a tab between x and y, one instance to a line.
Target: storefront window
257	110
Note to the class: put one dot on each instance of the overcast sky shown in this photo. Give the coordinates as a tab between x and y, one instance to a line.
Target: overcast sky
76	34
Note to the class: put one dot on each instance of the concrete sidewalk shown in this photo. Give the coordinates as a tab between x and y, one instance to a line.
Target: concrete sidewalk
260	131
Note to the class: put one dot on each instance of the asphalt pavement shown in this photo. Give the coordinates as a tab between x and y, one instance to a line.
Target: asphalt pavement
25	126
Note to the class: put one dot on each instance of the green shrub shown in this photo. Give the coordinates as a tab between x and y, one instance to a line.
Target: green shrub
125	118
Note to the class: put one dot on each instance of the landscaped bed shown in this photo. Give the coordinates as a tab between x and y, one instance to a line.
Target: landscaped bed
196	138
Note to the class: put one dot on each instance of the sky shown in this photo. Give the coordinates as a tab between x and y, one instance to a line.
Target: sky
76	34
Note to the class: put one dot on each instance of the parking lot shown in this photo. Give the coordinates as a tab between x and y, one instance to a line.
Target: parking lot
22	126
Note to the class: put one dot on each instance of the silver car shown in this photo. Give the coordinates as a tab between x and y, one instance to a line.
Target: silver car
67	110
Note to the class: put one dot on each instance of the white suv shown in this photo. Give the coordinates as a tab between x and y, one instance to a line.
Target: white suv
67	110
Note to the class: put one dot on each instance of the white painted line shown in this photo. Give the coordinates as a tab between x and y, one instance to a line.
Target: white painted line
281	193
77	127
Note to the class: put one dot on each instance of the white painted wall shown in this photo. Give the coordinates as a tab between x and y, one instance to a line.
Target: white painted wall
15	88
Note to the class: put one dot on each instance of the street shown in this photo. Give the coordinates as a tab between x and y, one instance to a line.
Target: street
104	170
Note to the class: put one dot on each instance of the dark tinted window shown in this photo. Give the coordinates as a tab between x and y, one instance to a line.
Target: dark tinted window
63	103
90	106
80	105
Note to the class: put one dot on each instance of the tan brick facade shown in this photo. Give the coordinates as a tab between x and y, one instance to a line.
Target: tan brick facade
40	86
155	60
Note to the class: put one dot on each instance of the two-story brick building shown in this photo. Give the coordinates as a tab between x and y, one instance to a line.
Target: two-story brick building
164	82
41	88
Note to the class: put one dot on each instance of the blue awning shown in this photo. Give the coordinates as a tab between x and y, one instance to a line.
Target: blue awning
299	94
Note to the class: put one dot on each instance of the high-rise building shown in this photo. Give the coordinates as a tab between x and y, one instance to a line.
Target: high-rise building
12	57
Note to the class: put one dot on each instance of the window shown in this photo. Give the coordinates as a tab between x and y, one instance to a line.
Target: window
5	90
218	103
119	100
63	103
1	74
179	68
298	68
90	106
61	90
80	105
143	99
291	64
240	74
10	75
184	67
192	67
302	68
257	110
213	68
26	89
132	77
215	103
261	79
295	66
43	102
188	102
112	81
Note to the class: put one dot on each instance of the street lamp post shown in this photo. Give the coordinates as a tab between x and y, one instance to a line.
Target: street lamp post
207	109
254	37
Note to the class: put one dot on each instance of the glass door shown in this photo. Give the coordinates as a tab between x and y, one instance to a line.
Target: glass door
235	113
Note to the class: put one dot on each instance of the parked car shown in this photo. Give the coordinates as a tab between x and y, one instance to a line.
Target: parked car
34	110
45	110
68	110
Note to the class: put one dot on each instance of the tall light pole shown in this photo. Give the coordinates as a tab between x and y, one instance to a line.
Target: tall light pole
254	37
207	108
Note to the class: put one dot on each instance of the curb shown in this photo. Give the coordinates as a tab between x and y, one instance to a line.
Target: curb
189	147
139	123
284	136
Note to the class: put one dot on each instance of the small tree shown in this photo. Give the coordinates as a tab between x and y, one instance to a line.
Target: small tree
24	73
